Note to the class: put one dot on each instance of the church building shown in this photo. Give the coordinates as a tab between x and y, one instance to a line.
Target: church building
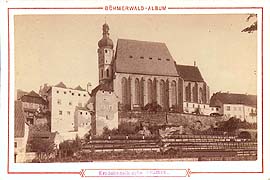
142	72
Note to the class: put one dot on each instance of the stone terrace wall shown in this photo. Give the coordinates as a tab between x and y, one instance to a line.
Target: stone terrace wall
182	119
138	116
172	118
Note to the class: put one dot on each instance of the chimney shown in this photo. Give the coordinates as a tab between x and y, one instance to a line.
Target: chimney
89	88
195	63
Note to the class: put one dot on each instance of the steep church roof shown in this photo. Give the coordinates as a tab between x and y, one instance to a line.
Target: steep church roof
189	73
143	57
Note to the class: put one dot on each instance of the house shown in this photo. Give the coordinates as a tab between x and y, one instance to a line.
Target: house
21	130
63	105
32	104
105	108
242	106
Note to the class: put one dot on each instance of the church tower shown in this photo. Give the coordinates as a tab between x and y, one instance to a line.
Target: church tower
105	56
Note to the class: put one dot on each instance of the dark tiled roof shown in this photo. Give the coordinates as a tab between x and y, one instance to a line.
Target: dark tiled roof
189	73
82	108
102	87
33	97
61	85
230	98
19	122
142	57
33	94
79	88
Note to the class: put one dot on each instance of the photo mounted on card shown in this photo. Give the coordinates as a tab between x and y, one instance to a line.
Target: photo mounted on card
109	89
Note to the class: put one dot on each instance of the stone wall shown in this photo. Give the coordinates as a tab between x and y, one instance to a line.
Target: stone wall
137	116
161	118
185	119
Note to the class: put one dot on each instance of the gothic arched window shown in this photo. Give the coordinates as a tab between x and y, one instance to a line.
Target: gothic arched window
149	91
137	91
173	86
124	91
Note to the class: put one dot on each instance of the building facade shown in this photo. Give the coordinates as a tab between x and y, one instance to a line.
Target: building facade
240	106
64	104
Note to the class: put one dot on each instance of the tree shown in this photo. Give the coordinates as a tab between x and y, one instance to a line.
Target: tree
44	148
253	26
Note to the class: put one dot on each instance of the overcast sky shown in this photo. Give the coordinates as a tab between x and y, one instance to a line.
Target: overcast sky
54	48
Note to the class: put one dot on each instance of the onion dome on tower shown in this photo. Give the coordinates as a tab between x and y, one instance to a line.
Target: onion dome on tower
105	41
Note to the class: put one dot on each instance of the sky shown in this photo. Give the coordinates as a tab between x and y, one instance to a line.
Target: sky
54	48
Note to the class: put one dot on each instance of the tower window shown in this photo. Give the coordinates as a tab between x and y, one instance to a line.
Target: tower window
107	72
101	73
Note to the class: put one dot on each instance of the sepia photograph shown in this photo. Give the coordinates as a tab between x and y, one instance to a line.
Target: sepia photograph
135	88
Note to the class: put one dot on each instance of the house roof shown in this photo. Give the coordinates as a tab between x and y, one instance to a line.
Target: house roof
189	73
61	85
82	108
231	98
143	57
79	88
102	87
33	97
19	122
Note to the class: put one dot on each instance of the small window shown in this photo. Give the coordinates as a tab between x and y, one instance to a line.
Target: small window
60	112
216	109
69	91
150	58
59	101
168	59
81	113
72	94
86	113
187	104
159	59
84	95
65	92
228	108
193	105
68	112
79	94
130	56
57	91
106	50
141	57
107	117
70	103
15	144
204	106
86	124
72	124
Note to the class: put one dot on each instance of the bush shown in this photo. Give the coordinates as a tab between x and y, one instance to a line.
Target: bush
152	107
